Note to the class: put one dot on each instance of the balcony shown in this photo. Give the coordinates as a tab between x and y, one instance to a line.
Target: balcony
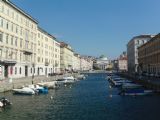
8	62
28	51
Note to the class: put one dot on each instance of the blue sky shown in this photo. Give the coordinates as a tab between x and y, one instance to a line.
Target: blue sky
95	27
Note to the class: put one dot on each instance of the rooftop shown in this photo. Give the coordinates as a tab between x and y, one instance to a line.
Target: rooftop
20	10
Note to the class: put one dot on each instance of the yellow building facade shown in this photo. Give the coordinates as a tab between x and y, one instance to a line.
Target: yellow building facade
66	57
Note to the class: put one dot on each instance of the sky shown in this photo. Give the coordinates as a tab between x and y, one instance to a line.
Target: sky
95	27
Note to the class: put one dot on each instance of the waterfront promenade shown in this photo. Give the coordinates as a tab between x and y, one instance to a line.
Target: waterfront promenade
6	85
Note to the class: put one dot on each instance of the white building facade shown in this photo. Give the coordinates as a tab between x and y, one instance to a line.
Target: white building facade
86	63
132	51
18	32
102	63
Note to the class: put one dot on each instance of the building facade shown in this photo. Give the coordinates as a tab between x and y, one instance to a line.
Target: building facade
66	56
18	33
76	62
28	50
102	63
132	51
86	63
149	56
48	54
122	63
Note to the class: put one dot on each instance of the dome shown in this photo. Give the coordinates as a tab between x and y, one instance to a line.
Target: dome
103	57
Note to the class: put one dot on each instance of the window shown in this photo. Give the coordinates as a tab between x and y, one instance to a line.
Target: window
20	71
1	22
7	38
1	37
15	70
12	27
11	40
0	52
8	11
21	43
16	29
6	53
38	59
38	35
21	32
7	25
16	41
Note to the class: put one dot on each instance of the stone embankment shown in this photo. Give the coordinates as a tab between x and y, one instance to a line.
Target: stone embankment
7	85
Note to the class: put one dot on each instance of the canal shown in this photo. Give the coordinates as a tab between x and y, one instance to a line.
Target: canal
89	99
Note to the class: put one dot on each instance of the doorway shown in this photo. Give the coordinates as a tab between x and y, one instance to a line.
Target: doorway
6	71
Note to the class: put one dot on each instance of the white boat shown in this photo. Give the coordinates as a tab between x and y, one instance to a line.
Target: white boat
121	82
51	85
65	80
25	90
35	87
69	79
81	76
38	89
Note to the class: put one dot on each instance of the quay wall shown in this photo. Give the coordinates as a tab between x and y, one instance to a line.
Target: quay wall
7	85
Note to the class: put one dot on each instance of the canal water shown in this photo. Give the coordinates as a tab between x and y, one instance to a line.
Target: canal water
89	99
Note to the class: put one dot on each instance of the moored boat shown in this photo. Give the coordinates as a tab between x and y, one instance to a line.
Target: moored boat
68	80
130	85
39	89
24	91
81	77
50	85
135	91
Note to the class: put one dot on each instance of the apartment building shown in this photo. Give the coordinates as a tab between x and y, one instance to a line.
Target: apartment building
132	51
66	56
18	33
48	53
86	63
76	62
122	62
149	56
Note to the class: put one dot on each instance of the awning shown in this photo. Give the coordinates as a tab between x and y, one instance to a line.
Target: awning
8	62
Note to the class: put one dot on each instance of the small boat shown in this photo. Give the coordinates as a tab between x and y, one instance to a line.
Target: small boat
68	80
39	89
4	102
50	85
135	91
24	91
120	82
81	76
130	85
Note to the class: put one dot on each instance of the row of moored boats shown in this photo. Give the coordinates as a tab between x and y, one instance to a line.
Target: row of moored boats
41	88
44	86
127	87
